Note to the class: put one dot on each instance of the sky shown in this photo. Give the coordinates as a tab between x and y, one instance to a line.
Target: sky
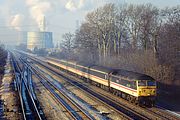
61	16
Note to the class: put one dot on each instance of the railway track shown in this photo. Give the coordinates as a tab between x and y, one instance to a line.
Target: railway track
30	109
98	113
75	111
162	114
151	113
127	112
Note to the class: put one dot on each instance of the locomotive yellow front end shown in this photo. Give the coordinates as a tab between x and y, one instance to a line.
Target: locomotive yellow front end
146	92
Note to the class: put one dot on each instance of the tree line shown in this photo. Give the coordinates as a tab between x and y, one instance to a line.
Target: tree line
141	38
3	56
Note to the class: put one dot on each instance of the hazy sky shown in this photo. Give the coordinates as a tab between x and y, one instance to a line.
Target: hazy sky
61	15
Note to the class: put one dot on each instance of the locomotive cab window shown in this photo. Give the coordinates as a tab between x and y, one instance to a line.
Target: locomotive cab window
146	83
142	83
151	83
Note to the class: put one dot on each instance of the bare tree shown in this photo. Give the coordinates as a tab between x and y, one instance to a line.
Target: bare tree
68	44
103	20
141	38
85	43
169	45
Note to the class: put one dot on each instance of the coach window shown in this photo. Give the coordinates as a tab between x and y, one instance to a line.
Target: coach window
134	85
113	79
128	84
106	77
124	82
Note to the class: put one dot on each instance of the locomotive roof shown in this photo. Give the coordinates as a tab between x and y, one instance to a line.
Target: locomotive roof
132	75
102	68
84	64
116	72
119	72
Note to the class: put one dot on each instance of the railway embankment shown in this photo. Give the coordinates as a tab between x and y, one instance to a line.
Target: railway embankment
10	107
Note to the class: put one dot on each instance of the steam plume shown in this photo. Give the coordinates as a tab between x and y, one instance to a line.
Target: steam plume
38	9
16	21
73	5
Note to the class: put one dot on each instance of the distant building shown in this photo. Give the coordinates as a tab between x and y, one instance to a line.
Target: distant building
22	38
39	40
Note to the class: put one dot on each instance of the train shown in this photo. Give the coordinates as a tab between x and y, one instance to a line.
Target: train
135	87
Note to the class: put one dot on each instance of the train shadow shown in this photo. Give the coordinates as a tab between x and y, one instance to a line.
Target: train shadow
168	97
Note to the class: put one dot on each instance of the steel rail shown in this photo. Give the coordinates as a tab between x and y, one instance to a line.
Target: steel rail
65	104
162	113
157	114
162	116
38	116
126	111
18	88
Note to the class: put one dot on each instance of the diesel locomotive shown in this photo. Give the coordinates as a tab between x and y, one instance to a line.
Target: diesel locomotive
135	87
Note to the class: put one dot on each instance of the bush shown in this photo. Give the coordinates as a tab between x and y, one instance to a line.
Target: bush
142	62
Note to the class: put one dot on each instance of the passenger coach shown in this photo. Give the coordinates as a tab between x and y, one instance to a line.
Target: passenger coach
135	87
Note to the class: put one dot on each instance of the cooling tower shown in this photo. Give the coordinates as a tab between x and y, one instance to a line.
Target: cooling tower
39	40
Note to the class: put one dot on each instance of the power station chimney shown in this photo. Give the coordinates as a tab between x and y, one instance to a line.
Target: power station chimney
43	25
